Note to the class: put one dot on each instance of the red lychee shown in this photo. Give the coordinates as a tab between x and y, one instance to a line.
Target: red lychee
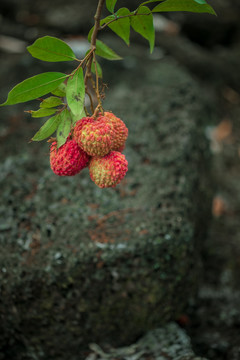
78	127
95	138
109	170
69	159
120	131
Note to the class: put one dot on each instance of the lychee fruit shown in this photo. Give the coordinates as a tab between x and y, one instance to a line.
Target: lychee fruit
95	138
109	170
120	131
79	125
69	159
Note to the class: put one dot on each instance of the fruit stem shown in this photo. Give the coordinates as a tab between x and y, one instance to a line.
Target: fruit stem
91	58
97	86
91	100
97	18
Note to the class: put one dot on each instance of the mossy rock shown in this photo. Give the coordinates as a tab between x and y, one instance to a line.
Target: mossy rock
80	264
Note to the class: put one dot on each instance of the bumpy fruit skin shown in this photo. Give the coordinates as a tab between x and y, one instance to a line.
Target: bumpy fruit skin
109	170
120	131
78	128
69	159
96	138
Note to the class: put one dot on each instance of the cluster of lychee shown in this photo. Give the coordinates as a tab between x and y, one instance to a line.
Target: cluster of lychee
96	143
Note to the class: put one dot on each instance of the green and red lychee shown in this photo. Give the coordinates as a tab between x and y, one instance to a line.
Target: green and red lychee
94	137
109	170
120	131
69	159
79	125
99	137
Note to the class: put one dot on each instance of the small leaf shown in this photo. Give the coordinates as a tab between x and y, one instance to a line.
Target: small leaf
99	69
90	34
43	112
104	51
184	5
200	1
150	1
51	102
34	87
60	90
122	26
110	4
51	49
47	129
103	21
64	127
76	91
143	24
75	118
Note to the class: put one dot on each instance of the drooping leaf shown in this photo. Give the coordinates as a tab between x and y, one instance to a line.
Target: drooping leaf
50	102
110	4
76	91
184	5
47	129
43	112
75	118
60	90
34	87
122	26
99	69
143	24
64	127
49	48
104	51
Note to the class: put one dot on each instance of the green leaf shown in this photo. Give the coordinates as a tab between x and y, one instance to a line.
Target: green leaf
184	5
60	90
150	1
75	118
122	26
51	102
110	4
34	87
143	24
64	127
47	129
76	91
103	21
42	112
90	34
200	1
99	69
104	51
49	48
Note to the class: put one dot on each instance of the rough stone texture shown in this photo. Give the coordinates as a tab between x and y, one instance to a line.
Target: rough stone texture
80	264
167	343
